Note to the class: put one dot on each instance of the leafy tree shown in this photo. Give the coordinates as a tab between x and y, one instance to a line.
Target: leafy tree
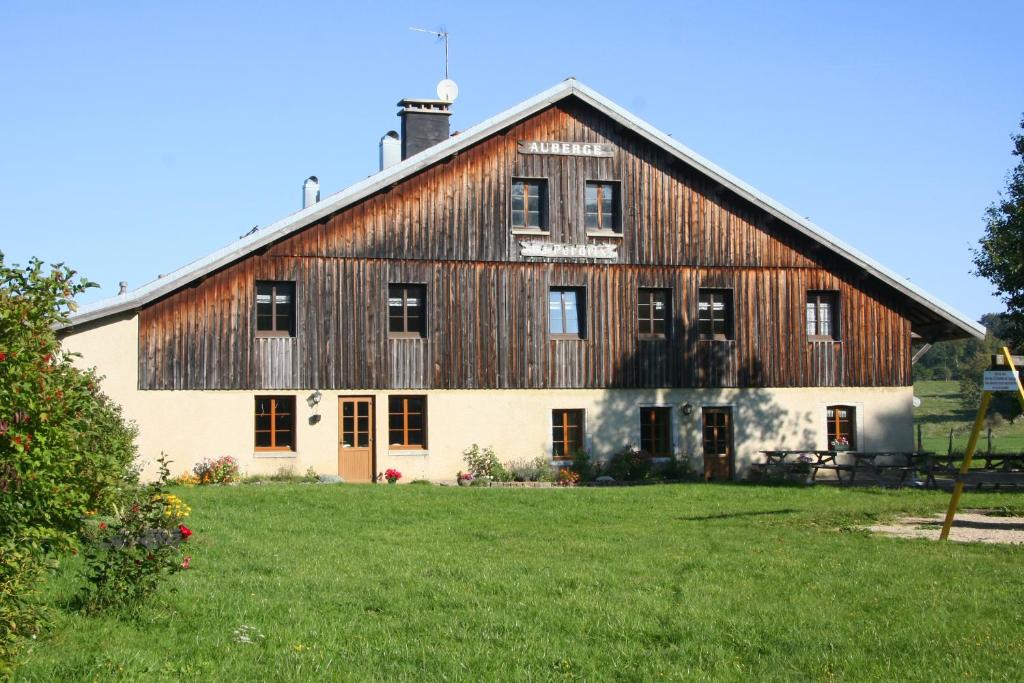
65	450
1000	253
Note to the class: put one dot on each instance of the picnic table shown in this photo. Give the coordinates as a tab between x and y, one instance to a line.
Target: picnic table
877	463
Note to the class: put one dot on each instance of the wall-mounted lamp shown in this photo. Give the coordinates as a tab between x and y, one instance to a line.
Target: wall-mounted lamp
687	408
314	398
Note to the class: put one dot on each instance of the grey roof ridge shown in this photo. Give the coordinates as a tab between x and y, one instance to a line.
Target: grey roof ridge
378	181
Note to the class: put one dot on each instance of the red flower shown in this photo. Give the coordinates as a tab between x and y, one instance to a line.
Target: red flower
184	531
103	525
186	562
3	356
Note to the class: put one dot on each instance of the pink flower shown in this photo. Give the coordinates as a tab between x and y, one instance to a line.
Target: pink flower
186	562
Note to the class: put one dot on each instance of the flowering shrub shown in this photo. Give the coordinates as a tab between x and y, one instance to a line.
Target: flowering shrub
127	557
464	477
174	507
392	475
484	463
567	477
223	470
185	479
65	448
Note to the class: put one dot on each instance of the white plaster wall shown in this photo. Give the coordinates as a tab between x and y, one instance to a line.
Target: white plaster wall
192	425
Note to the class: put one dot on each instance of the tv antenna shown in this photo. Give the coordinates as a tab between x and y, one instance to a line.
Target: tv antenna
443	35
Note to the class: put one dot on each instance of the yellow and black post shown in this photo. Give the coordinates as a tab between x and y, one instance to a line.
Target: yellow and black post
972	443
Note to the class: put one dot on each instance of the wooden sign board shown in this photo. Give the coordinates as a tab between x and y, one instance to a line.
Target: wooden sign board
573	149
568	251
1000	380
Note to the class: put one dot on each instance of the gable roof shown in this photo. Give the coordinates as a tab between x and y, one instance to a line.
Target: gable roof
934	315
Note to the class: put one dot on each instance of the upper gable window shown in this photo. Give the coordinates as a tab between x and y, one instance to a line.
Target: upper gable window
529	203
653	313
275	309
406	310
566	319
822	319
714	313
602	206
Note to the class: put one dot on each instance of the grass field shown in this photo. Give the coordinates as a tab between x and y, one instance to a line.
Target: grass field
941	411
646	583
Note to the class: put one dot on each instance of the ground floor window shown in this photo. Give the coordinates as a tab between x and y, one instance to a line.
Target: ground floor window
407	421
566	432
842	427
275	423
656	430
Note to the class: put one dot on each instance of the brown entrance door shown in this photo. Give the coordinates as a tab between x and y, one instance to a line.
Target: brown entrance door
355	442
718	452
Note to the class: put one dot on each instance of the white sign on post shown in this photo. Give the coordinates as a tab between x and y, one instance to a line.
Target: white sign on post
1000	380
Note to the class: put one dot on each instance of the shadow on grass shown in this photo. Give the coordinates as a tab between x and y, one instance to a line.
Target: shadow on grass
731	515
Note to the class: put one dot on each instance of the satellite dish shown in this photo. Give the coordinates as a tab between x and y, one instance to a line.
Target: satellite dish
447	90
917	402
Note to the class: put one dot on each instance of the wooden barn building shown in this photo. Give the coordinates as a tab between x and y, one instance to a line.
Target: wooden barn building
560	276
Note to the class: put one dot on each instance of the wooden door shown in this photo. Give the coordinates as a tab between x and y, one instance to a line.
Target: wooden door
718	448
355	438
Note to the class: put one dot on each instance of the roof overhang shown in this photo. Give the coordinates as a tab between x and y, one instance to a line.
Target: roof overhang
950	322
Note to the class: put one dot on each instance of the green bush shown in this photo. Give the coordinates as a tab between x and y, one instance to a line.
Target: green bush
65	449
484	463
583	465
629	464
538	469
129	552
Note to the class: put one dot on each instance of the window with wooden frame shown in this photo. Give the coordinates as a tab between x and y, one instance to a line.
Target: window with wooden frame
601	206
275	423
653	313
656	430
275	309
714	313
529	203
823	315
407	422
842	427
566	314
407	316
566	433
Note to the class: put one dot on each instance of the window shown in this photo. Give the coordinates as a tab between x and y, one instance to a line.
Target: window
601	206
275	309
821	315
566	433
714	313
275	423
656	431
529	204
566	317
842	427
407	421
653	312
406	315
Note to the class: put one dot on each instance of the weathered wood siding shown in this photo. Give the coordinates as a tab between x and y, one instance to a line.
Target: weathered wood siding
487	328
487	305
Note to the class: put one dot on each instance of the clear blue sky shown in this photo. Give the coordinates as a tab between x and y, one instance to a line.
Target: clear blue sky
136	137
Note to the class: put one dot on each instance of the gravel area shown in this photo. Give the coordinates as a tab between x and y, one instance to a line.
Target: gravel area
968	527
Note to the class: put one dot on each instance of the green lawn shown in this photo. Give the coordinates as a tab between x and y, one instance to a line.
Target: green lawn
645	583
941	411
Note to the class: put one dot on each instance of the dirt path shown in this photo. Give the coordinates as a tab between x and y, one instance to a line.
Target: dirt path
968	527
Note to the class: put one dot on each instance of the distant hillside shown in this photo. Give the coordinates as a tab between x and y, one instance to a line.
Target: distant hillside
941	411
